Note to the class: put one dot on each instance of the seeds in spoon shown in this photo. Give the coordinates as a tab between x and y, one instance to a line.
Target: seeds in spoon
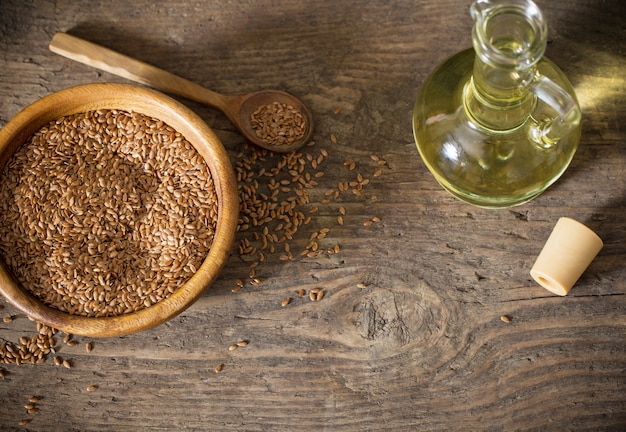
278	124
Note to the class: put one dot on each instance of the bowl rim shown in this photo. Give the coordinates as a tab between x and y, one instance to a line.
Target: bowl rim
128	97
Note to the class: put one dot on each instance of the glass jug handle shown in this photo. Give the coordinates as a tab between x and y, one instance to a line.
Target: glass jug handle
549	130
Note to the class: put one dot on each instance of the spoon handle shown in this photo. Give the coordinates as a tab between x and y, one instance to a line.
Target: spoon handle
118	64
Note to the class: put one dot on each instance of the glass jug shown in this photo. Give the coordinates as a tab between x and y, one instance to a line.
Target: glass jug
499	123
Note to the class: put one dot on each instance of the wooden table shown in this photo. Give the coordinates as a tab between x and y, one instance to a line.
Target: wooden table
409	333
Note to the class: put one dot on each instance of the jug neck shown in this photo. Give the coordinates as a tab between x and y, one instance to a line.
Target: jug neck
509	39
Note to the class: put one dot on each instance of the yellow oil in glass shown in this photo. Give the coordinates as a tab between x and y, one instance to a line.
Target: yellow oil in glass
492	160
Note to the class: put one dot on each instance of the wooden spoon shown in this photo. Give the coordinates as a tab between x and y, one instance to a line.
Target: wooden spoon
238	109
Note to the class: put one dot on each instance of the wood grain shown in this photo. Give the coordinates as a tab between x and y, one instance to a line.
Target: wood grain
422	345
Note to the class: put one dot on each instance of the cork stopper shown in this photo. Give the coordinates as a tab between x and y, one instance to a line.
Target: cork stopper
566	255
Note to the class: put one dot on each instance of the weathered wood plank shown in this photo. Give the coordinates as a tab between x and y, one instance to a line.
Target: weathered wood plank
421	345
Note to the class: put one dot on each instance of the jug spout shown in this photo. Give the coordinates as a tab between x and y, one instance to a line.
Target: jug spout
510	34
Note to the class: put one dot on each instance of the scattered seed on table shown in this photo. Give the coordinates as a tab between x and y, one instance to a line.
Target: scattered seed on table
29	406
242	343
377	173
505	318
361	285
367	223
67	364
24	422
340	220
286	301
34	399
32	410
219	367
320	295
233	347
301	292
3	373
58	361
92	387
7	319
376	219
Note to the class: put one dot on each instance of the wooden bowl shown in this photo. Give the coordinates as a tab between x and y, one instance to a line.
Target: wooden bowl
150	103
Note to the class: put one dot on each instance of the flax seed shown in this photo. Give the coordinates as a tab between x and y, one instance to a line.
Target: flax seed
286	301
219	367
92	387
278	124
96	192
505	318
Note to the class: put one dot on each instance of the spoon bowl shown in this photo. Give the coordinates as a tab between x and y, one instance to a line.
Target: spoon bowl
251	102
238	108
